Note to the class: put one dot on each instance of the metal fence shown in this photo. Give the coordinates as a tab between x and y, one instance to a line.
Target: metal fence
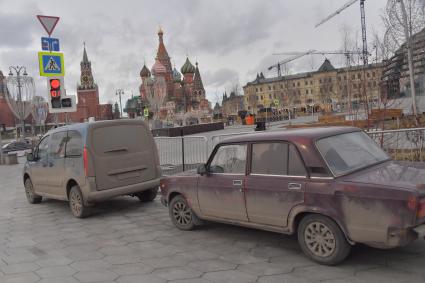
177	154
402	144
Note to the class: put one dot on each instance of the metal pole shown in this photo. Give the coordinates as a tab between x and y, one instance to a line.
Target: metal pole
409	58
182	137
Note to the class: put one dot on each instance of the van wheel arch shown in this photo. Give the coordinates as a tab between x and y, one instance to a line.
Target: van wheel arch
173	195
26	176
71	183
301	215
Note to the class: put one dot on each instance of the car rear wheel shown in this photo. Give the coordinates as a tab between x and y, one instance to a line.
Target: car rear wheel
76	203
321	239
32	197
148	195
181	214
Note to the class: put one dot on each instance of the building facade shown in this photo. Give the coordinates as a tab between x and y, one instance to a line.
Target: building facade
395	77
7	119
328	89
232	104
184	89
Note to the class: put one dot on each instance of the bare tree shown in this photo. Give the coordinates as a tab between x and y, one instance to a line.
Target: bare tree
402	19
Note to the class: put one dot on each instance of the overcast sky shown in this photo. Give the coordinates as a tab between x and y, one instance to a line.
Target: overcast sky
232	40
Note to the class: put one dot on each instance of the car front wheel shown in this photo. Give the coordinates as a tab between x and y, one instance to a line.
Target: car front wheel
321	239
30	194
76	203
181	214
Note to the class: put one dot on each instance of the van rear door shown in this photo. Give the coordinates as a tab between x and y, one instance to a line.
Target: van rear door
123	154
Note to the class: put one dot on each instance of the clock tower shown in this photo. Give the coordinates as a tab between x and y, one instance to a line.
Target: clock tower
87	92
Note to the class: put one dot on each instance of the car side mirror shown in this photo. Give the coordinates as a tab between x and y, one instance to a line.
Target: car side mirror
202	170
30	157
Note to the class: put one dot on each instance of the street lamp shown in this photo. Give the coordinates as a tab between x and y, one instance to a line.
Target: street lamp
120	92
20	90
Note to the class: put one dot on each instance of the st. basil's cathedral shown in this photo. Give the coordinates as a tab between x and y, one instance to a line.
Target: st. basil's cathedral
184	90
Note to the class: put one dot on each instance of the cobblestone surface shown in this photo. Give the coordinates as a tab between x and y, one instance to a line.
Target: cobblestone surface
127	241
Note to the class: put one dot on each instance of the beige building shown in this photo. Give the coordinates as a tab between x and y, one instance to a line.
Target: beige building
328	89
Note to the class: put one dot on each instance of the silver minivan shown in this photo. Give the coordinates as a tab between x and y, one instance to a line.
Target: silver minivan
90	162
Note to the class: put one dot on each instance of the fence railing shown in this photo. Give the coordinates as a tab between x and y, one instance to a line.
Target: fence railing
177	154
402	144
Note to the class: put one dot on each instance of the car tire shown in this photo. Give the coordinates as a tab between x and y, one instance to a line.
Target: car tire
148	195
32	197
182	215
321	239
76	203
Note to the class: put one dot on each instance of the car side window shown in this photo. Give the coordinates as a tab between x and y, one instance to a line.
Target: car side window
270	158
229	159
42	149
74	146
57	145
295	164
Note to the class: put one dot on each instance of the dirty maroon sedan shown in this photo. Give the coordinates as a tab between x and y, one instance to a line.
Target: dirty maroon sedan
333	186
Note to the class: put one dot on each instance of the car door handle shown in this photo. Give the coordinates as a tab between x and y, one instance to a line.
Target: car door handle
294	186
237	182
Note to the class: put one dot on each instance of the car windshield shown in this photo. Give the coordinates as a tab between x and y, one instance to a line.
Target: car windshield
349	152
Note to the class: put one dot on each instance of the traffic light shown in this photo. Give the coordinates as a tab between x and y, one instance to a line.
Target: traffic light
55	88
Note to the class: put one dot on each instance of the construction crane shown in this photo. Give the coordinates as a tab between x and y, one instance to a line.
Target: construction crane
365	53
297	56
347	54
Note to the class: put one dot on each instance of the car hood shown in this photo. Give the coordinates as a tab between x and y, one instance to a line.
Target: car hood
407	175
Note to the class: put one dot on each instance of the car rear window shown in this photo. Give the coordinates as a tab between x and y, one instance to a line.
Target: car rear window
120	138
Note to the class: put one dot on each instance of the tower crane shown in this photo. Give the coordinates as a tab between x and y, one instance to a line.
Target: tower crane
347	54
365	53
295	57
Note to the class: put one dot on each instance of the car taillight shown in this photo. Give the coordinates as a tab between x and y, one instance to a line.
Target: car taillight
86	162
421	209
412	203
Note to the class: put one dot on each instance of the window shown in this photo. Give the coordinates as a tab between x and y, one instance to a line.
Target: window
348	152
274	96
276	158
305	82
261	89
306	91
368	74
311	82
293	84
74	146
373	74
256	89
57	145
42	149
298	84
274	87
229	159
270	96
295	164
262	98
270	88
269	158
359	76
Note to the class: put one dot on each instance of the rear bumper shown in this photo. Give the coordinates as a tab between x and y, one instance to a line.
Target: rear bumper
96	196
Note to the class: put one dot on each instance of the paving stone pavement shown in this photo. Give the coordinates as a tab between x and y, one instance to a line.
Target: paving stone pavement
126	241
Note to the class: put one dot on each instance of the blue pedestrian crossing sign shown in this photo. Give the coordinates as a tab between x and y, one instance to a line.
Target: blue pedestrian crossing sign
51	64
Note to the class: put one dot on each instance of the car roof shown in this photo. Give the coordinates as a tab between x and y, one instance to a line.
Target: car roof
82	127
300	135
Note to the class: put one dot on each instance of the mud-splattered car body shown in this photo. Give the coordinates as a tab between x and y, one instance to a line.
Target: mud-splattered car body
381	205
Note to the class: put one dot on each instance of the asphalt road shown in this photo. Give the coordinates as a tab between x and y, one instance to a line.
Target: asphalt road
126	241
